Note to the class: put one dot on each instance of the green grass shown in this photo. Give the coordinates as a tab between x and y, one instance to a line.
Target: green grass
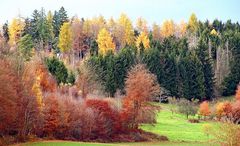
177	128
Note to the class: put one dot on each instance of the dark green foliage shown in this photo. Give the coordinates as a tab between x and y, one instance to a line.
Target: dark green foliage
25	46
231	81
71	78
207	69
94	48
59	18
57	69
5	31
192	77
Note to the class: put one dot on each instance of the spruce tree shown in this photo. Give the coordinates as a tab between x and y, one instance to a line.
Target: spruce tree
208	72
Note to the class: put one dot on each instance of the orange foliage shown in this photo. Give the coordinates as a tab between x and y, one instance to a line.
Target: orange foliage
223	109
51	115
141	85
238	93
204	109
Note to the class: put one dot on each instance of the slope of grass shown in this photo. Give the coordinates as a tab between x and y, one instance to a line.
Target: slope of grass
177	128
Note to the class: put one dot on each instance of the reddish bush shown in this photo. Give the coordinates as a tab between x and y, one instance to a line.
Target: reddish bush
51	115
204	109
236	112
107	119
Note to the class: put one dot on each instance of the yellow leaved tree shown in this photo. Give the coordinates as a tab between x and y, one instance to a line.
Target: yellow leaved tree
105	42
143	38
15	30
167	28
142	25
128	31
155	31
193	23
65	37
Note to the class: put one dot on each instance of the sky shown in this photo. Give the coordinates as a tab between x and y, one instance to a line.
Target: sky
152	10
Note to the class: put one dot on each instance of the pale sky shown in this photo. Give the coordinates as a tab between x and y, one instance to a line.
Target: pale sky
152	10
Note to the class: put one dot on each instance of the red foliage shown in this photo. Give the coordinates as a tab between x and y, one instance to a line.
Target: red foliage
107	119
51	115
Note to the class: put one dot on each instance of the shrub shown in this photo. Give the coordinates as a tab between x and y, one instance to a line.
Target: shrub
238	93
187	107
57	69
204	109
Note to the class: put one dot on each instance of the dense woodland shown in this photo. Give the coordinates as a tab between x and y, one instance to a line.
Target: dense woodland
55	71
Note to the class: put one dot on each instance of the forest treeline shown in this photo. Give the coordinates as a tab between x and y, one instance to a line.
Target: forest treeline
194	59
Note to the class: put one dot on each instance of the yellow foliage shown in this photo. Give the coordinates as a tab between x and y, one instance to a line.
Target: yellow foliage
214	32
37	91
220	109
143	38
15	30
126	23
193	23
182	28
105	42
65	37
167	28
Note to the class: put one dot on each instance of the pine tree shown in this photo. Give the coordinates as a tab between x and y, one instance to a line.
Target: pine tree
59	18
208	72
15	30
25	45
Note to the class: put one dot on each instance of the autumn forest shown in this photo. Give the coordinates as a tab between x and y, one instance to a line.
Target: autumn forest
117	81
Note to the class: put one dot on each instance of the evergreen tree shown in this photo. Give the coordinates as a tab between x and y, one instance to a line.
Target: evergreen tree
207	69
5	31
25	45
231	81
191	75
59	18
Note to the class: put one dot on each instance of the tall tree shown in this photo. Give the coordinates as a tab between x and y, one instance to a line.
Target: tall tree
105	42
15	30
25	46
128	32
202	52
65	38
193	23
167	28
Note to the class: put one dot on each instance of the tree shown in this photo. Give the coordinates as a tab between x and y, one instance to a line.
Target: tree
231	81
155	31
59	18
5	31
204	109
142	25
182	29
65	38
193	23
167	28
25	45
140	87
105	42
187	107
202	52
57	69
15	30
128	32
143	38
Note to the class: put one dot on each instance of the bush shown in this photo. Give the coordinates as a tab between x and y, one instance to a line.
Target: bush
187	107
57	69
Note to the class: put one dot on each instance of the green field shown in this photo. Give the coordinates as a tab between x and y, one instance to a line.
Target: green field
175	126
